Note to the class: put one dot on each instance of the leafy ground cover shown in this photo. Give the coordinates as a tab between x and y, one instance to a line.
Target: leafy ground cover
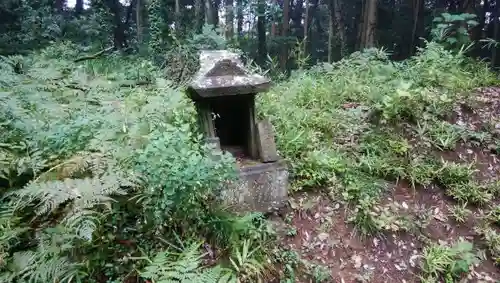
394	168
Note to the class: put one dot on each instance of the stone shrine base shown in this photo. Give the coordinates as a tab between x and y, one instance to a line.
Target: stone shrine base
263	187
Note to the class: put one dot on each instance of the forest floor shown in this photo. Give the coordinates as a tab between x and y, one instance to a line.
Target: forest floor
422	224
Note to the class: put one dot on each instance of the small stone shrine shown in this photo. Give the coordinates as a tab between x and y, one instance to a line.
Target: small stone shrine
224	93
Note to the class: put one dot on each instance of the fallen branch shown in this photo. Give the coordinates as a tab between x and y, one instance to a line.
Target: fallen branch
94	56
72	86
134	83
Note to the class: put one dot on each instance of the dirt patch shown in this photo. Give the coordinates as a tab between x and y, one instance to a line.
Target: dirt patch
480	111
323	236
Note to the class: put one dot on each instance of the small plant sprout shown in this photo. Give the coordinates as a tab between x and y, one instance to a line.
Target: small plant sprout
460	212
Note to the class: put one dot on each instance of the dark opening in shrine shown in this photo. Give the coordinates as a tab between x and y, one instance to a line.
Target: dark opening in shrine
231	121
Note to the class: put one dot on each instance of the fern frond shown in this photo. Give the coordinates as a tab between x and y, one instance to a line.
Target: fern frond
185	268
34	268
43	71
94	163
83	222
23	262
85	193
9	228
218	274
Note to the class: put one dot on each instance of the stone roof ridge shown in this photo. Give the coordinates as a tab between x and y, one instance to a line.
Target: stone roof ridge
224	70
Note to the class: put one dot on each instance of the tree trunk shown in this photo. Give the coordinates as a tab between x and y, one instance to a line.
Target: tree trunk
261	32
335	16
496	30
284	34
331	27
59	5
362	26
208	13
199	16
371	24
138	21
310	35
440	7
229	19
215	11
118	30
178	16
273	24
468	6
297	15
416	12
307	21
128	14
78	7
240	17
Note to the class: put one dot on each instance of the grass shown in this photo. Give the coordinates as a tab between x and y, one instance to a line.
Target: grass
447	261
354	129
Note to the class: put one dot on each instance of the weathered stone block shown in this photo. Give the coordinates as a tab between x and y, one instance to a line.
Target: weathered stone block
214	141
265	142
262	188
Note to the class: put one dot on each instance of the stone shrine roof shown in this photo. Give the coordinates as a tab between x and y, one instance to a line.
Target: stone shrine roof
222	73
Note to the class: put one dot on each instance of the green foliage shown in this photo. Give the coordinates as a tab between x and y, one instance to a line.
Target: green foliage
184	267
181	174
345	126
97	154
453	30
322	113
36	25
492	239
460	213
247	262
158	30
457	179
448	261
50	261
181	61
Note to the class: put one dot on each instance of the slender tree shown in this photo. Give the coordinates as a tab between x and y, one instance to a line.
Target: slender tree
273	24
284	34
178	16
261	32
229	19
199	14
138	20
209	15
417	6
240	5
78	7
496	32
307	22
369	24
119	38
335	19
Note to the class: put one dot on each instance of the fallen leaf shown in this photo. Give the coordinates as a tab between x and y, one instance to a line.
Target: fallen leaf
322	236
357	261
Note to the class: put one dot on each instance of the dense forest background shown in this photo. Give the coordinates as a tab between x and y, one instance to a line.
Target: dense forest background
283	33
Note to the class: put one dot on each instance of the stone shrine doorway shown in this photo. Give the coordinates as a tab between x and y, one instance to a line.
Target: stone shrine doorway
231	117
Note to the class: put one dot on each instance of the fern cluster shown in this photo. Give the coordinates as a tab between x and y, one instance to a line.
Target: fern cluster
98	159
168	267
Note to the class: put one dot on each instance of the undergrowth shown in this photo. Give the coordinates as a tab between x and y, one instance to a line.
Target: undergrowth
102	169
353	128
104	176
